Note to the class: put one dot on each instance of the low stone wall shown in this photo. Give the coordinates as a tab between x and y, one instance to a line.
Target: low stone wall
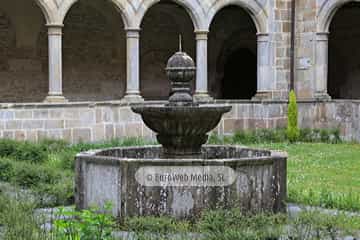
89	121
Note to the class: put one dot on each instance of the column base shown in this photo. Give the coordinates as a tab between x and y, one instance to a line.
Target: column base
202	97
262	95
322	96
132	98
55	99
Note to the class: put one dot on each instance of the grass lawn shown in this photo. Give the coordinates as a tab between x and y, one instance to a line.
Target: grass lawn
319	174
322	174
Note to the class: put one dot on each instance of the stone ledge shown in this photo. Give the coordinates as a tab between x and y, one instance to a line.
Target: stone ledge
120	103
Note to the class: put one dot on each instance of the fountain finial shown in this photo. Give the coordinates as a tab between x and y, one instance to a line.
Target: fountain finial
180	43
180	70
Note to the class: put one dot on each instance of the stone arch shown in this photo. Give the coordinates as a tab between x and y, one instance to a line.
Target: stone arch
119	5
232	31
254	8
46	10
158	42
94	52
327	11
193	8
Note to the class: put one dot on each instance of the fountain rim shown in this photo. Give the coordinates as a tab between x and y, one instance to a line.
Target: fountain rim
96	155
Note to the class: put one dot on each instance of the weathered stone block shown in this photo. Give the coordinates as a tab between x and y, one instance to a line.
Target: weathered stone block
56	113
20	135
81	135
8	134
120	131
13	124
99	132
133	130
231	125
23	114
7	114
41	114
109	131
33	124
31	135
54	124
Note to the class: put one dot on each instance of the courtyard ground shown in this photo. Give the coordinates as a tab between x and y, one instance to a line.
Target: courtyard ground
323	174
319	174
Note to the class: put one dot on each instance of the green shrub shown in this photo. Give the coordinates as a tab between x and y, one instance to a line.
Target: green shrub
320	135
22	151
292	127
230	224
31	175
6	170
161	225
67	159
53	146
59	193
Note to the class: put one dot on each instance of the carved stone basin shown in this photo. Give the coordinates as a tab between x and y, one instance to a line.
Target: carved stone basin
182	130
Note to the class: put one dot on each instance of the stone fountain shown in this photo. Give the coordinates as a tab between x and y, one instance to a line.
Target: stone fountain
182	177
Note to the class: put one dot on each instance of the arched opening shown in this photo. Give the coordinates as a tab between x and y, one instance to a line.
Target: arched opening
232	55
94	52
23	73
344	53
232	88
161	27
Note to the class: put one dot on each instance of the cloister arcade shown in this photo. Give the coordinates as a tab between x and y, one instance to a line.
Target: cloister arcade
101	51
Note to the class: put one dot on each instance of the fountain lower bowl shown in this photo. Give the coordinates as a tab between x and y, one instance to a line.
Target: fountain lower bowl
112	175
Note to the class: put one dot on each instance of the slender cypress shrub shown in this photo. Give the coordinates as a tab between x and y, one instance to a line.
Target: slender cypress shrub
293	131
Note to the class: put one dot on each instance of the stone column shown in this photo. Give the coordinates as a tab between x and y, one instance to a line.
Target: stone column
264	80
322	48
55	64
201	92
132	61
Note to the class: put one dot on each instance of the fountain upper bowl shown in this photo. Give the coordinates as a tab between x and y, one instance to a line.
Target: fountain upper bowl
182	130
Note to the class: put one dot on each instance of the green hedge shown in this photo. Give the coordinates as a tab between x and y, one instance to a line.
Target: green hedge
277	136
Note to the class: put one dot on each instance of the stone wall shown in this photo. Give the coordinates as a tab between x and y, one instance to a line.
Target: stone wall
280	29
305	48
76	122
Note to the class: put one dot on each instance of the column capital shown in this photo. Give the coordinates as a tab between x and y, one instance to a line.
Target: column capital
54	29
263	37
132	32
322	36
201	34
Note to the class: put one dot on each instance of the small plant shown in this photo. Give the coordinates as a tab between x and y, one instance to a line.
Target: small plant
293	132
234	224
84	225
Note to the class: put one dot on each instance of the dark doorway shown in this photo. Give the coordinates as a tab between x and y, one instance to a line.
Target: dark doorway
239	80
232	55
344	53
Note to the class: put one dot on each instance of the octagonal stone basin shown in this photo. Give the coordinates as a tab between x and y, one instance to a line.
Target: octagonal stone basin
112	175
